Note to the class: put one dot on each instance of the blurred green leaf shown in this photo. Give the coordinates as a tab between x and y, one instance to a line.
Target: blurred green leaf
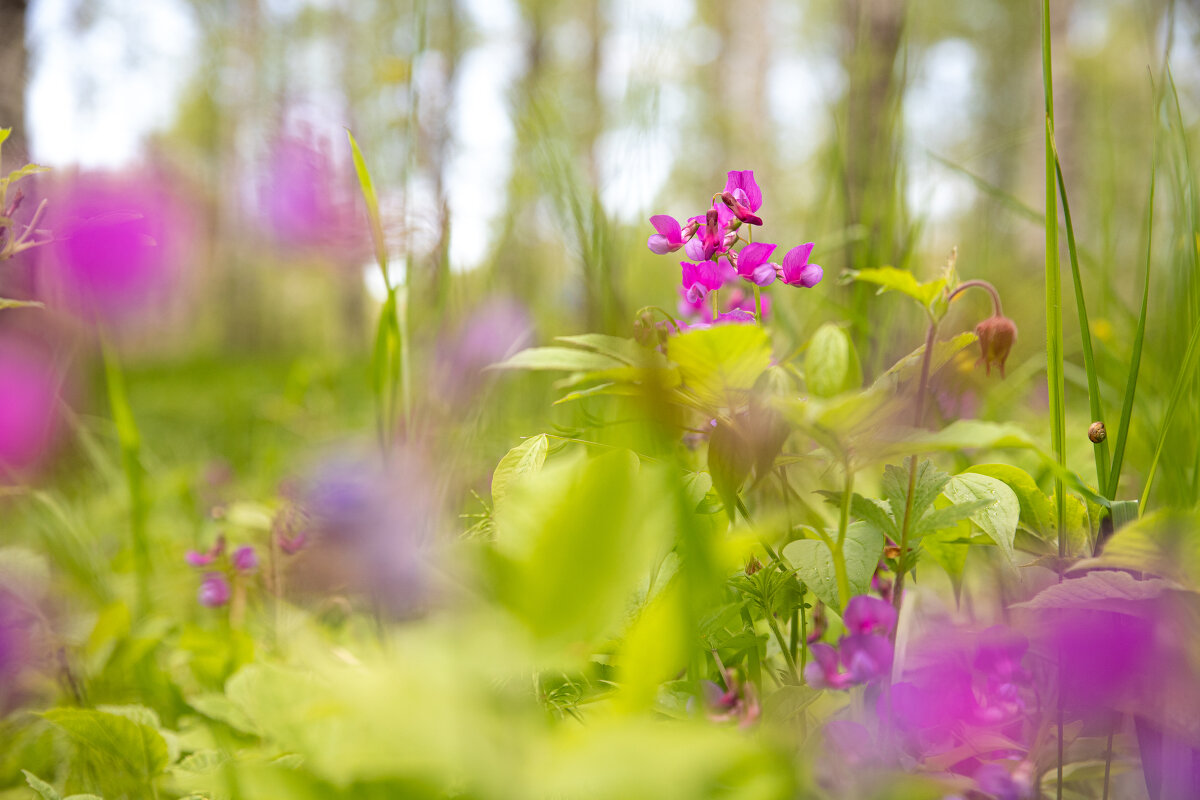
24	572
1101	590
720	365
527	457
903	281
831	362
566	359
114	745
45	790
1164	543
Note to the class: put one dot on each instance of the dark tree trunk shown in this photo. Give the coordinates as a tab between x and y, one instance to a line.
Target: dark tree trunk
14	62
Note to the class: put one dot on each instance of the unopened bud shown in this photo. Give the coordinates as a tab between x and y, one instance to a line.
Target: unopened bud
996	336
1097	432
753	565
690	229
891	551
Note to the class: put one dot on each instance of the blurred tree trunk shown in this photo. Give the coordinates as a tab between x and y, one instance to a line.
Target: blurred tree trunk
871	135
14	62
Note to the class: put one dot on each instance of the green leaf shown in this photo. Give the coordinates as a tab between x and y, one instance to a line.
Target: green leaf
873	511
372	202
903	281
1037	512
831	363
962	434
1102	590
1162	543
720	365
939	519
730	458
25	171
998	518
626	350
813	562
111	741
4	134
45	790
928	485
949	551
524	459
564	359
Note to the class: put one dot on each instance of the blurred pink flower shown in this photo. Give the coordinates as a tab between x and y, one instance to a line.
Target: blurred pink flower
493	331
119	241
214	590
245	559
29	397
305	201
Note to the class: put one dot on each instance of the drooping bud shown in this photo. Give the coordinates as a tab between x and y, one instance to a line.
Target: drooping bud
996	337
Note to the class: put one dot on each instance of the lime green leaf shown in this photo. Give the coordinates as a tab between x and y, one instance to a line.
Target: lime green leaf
526	458
1163	543
948	549
831	363
813	562
25	171
45	790
901	280
998	518
626	350
4	134
1037	513
655	650
111	740
939	519
372	202
721	364
565	359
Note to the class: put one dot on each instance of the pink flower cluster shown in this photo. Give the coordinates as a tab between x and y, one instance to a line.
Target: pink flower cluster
214	588
865	651
715	260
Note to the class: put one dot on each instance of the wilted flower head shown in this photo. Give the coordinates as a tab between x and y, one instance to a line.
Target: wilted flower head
29	398
996	337
118	242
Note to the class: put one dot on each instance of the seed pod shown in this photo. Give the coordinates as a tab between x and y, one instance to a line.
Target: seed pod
1097	433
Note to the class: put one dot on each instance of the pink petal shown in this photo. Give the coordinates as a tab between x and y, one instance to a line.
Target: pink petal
659	244
668	227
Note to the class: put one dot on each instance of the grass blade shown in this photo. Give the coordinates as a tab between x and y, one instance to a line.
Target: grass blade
1181	385
1085	334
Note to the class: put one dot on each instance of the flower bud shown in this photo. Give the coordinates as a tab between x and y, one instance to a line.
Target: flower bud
996	336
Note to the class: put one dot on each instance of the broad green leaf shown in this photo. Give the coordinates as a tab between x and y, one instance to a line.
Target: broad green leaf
574	540
1163	543
961	435
948	549
940	519
1101	590
1037	512
873	511
527	457
721	364
563	359
998	519
813	562
903	281
831	363
654	651
111	740
927	485
45	790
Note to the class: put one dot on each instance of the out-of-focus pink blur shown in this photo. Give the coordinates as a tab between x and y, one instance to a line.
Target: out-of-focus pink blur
29	392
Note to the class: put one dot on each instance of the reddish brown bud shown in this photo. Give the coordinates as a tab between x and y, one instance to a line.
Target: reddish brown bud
753	566
996	336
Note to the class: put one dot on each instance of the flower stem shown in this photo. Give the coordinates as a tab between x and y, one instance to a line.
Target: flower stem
757	305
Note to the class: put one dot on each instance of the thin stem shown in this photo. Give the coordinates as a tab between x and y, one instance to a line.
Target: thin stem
713	295
783	645
918	418
997	308
757	305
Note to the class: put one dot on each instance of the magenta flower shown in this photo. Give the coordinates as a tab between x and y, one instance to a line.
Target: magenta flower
670	236
822	671
743	196
214	590
198	559
700	279
308	201
117	243
866	614
796	270
752	263
712	235
245	559
28	407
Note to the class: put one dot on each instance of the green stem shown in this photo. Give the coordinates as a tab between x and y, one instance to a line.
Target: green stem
839	557
757	305
130	442
783	645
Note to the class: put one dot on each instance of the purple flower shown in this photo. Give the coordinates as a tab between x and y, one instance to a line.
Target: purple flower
866	614
28	406
214	590
669	237
743	196
491	332
245	559
822	671
797	271
867	657
752	263
700	279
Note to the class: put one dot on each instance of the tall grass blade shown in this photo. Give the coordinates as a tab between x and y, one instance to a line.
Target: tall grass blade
1085	334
